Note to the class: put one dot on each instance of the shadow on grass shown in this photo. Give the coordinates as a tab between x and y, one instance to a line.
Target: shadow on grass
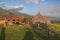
2	37
28	35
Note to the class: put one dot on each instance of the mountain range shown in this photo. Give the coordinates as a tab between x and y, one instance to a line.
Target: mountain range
2	12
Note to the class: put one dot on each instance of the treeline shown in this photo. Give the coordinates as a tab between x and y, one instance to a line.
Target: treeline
53	21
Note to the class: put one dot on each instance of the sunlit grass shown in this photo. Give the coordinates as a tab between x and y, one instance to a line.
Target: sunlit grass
55	27
16	32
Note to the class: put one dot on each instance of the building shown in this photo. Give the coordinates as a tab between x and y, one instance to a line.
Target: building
13	17
41	19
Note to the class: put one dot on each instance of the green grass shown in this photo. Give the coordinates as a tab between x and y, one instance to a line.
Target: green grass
16	33
27	17
55	27
55	32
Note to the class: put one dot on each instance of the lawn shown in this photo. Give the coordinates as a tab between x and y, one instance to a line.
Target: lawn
16	32
55	27
12	32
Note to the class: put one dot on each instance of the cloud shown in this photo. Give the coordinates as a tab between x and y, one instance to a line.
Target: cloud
11	8
33	1
3	4
14	8
16	0
42	0
52	10
43	4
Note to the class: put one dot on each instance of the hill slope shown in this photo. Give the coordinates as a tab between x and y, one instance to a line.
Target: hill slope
2	12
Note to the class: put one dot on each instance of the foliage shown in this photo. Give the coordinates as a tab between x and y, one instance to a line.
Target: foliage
27	17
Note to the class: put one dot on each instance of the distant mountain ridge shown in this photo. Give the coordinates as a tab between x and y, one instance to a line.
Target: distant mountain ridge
2	12
54	18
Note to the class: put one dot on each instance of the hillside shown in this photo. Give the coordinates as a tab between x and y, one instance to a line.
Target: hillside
12	15
2	12
54	18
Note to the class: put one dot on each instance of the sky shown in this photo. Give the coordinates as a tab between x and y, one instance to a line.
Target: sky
32	7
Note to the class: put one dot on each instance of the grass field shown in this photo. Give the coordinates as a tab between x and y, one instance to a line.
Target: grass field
55	27
16	32
12	32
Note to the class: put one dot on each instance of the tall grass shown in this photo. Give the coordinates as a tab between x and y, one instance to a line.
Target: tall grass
15	32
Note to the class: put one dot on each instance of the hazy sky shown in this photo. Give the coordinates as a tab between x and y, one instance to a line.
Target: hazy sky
46	7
